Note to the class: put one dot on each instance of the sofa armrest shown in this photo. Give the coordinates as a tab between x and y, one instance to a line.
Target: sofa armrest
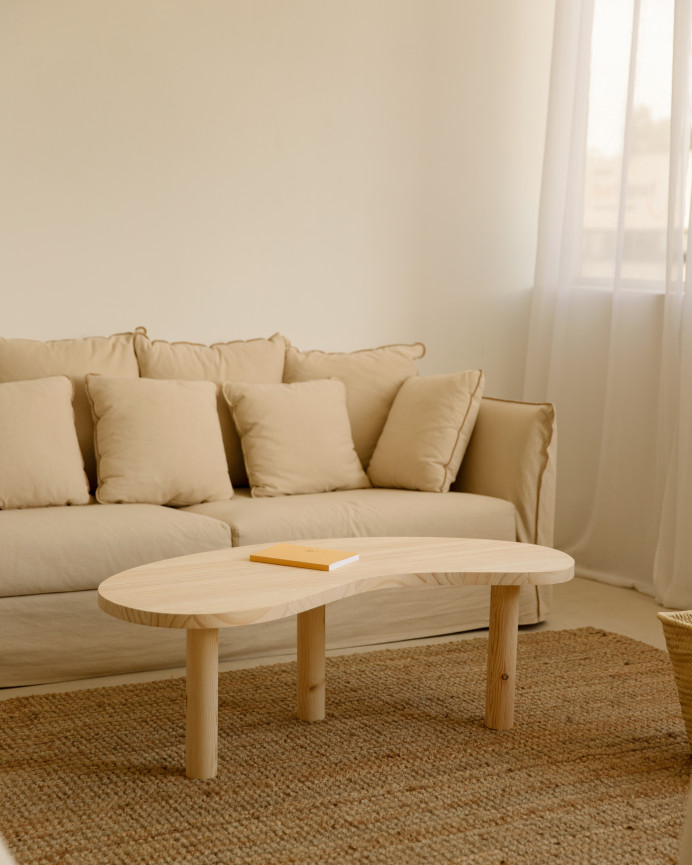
512	455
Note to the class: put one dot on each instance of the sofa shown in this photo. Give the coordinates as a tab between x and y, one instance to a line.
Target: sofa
60	536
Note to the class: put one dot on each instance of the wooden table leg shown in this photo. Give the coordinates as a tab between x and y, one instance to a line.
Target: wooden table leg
311	661
502	657
202	712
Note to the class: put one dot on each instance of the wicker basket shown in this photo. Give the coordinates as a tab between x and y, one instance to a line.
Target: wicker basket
677	629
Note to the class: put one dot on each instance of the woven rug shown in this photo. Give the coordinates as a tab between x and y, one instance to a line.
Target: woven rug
402	771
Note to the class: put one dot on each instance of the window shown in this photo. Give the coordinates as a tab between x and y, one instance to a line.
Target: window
626	172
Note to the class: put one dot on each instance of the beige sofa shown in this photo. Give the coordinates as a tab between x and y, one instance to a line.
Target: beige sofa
53	558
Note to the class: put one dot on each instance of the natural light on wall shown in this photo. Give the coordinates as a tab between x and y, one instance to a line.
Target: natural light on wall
625	211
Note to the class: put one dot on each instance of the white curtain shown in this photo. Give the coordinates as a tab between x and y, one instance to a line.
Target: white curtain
611	329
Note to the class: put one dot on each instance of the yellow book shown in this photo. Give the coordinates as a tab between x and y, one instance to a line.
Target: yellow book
296	556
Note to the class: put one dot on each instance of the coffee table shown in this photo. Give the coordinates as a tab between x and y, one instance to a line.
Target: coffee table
223	588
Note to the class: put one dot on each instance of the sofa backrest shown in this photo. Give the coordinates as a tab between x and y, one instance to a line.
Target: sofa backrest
109	355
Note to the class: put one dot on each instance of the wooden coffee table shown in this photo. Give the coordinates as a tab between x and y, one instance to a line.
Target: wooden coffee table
223	588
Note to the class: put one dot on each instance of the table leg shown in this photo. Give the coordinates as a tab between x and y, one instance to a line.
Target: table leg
502	657
311	661
202	712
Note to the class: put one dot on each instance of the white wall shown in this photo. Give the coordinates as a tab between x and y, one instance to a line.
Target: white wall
349	172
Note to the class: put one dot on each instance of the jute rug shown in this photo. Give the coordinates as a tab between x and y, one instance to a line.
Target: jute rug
402	771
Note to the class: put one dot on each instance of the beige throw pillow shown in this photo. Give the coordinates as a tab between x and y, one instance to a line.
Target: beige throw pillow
427	431
109	355
40	460
372	378
296	438
253	361
157	442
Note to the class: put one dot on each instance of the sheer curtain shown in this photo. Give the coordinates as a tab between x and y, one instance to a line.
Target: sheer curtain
611	328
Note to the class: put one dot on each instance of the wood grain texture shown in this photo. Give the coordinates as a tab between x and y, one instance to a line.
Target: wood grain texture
502	657
202	709
311	665
222	588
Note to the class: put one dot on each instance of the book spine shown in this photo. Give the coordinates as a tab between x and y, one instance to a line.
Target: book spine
271	561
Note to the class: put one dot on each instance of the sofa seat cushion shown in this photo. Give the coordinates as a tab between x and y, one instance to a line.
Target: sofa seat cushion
366	512
67	549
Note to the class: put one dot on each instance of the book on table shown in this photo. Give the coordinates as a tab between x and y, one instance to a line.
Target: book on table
297	556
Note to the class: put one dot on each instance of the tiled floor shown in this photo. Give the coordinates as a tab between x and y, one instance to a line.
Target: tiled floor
575	605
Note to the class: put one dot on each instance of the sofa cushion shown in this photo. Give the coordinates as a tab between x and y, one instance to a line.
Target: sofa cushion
157	442
427	431
109	355
253	361
367	512
296	438
372	378
40	460
71	549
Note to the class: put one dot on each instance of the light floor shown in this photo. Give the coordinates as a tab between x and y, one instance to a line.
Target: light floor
577	604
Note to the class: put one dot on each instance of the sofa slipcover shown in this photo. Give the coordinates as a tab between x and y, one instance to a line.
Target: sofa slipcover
371	512
513	455
51	627
53	637
81	546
